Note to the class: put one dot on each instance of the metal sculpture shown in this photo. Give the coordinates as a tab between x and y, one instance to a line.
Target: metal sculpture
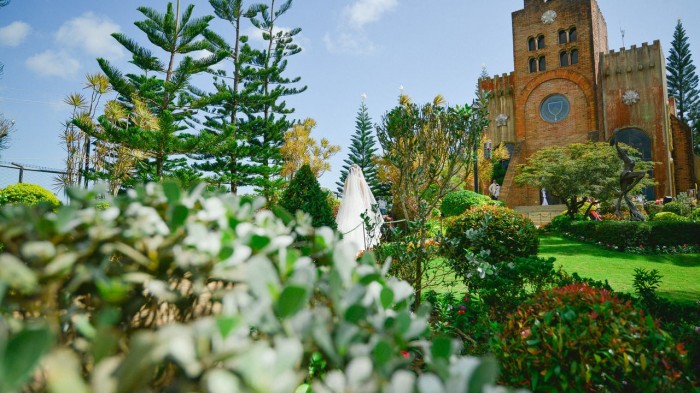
628	179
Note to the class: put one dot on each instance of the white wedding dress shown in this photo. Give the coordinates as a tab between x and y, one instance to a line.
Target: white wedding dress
358	199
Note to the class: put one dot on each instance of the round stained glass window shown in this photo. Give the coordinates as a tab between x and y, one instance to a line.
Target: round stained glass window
555	108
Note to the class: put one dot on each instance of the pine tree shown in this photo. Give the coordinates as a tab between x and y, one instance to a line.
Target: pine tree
305	194
160	95
269	122
695	127
362	150
682	79
228	160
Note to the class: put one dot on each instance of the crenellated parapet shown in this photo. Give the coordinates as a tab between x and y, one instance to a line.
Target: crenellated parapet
633	94
501	89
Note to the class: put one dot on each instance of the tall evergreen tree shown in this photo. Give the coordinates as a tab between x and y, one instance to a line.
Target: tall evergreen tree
269	122
362	150
235	90
305	194
682	79
2	4
162	89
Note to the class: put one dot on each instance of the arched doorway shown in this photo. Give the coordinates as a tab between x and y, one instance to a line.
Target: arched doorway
639	140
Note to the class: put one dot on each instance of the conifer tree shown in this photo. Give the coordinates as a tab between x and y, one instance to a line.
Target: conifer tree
269	122
305	194
162	89
235	90
362	150
682	79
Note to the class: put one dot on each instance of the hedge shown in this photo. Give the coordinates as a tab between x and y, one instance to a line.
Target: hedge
625	234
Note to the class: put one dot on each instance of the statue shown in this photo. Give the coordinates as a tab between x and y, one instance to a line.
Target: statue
628	179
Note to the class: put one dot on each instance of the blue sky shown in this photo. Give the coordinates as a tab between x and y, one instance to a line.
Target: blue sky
351	47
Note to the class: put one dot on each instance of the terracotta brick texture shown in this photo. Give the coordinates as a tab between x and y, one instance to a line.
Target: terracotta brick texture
594	87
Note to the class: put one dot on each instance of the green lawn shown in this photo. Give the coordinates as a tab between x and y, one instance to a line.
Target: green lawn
681	273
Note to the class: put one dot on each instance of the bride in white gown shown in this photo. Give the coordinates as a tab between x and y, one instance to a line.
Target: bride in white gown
358	199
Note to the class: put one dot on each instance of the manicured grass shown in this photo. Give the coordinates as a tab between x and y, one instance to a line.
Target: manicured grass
681	272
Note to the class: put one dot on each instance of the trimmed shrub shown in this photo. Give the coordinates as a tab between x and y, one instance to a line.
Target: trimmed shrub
624	234
305	194
27	194
561	222
652	208
486	235
457	202
678	208
695	215
577	338
669	216
170	290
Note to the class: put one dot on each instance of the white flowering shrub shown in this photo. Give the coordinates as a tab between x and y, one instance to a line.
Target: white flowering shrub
167	290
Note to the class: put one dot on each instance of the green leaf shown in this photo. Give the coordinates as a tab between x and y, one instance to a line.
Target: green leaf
387	297
226	325
258	242
22	355
17	275
291	300
113	291
484	374
172	192
403	321
63	373
441	348
304	388
355	313
382	353
370	278
179	216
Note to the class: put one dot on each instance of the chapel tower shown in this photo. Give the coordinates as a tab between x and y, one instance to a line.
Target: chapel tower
567	87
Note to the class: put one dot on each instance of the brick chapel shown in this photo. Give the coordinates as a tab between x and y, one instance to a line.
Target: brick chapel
568	87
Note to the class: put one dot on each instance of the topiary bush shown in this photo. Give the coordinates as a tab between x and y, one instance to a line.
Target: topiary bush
457	202
669	216
171	290
678	208
577	338
501	233
695	215
27	194
305	194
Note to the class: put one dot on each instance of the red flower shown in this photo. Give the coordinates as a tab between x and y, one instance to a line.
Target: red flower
460	312
406	354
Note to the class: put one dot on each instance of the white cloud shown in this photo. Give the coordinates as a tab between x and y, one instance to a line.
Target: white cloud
52	63
92	34
350	43
366	11
14	33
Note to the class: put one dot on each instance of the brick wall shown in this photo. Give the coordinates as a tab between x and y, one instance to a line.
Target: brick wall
577	82
683	161
594	88
642	70
502	89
